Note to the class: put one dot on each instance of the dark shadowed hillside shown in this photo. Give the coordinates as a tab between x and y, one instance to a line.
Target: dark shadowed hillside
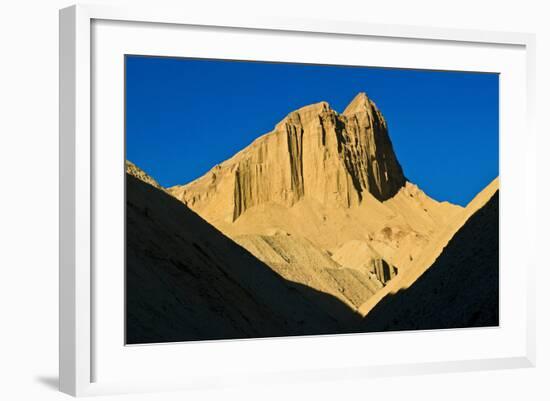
187	281
459	290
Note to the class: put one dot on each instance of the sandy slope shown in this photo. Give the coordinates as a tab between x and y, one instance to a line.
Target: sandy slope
360	241
297	259
435	248
396	229
375	233
460	289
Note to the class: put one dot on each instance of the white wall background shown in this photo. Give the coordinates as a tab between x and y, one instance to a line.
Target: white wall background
29	197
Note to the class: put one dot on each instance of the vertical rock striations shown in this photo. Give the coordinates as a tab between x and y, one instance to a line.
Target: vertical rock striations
313	152
370	155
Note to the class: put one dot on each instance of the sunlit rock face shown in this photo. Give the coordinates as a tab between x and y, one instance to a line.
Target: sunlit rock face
315	153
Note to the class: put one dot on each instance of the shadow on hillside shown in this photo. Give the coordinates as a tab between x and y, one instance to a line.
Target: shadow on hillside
185	281
461	288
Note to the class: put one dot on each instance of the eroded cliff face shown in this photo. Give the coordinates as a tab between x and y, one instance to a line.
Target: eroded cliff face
314	152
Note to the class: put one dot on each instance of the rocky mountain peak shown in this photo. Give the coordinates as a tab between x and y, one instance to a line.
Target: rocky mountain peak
314	152
360	103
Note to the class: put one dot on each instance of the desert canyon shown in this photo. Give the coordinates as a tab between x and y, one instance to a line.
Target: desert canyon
311	229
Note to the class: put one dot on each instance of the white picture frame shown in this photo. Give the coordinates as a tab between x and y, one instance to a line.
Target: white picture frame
77	366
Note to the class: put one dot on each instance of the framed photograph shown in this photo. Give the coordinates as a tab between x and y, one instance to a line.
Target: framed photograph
271	200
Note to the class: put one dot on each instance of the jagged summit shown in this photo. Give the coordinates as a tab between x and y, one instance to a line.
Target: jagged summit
314	108
305	113
360	102
314	152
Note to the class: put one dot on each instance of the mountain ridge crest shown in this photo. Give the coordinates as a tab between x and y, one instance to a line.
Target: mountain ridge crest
312	152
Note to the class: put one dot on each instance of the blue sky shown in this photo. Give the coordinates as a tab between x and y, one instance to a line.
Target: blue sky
183	116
